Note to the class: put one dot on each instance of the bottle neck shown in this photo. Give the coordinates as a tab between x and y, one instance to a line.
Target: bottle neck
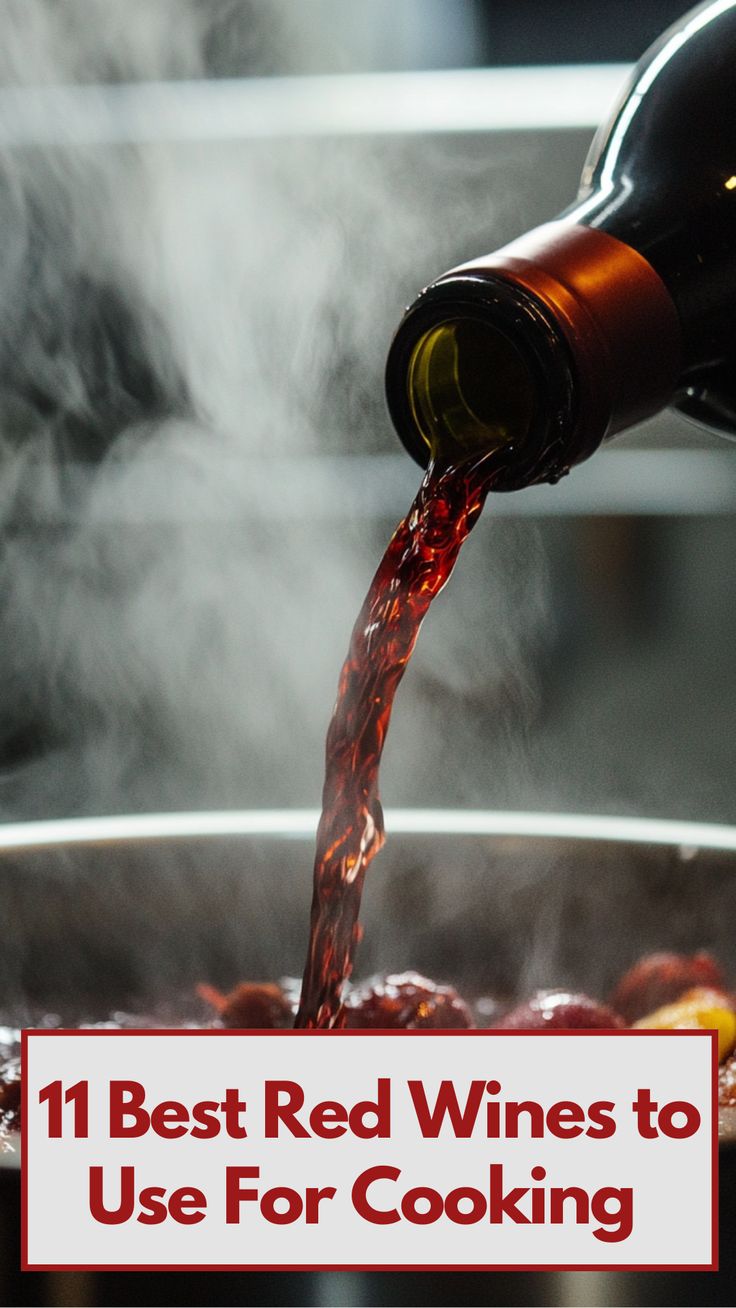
548	346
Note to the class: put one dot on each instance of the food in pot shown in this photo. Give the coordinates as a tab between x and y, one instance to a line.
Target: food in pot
408	1001
658	979
727	1099
727	1083
252	1005
556	1010
411	1001
9	1097
712	1010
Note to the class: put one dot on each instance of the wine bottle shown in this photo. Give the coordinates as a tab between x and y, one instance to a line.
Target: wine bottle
624	304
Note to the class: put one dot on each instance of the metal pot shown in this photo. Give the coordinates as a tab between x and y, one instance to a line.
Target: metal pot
102	913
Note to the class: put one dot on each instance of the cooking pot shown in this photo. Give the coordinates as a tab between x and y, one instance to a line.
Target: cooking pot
133	911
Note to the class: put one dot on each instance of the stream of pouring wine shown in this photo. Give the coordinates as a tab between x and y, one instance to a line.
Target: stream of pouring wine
418	561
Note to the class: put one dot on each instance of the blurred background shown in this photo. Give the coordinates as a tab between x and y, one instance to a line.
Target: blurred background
212	214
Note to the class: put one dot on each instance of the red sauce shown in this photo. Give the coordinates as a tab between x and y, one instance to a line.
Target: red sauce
418	562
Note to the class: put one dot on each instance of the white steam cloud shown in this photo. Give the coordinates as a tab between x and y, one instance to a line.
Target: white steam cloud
181	326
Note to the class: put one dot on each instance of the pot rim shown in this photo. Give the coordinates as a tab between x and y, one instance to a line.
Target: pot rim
301	824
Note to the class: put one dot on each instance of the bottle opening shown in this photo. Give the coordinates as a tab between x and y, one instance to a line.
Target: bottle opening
469	387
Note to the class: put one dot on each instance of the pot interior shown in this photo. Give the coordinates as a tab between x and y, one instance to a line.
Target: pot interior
101	915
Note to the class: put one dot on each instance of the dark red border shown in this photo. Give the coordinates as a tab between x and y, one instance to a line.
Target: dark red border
712	1266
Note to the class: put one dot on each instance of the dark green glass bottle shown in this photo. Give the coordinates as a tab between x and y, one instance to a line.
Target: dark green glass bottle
624	304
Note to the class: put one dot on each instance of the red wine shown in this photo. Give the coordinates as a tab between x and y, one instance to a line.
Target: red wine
415	567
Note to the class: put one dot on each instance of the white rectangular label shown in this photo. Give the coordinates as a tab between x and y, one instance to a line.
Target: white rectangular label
363	1149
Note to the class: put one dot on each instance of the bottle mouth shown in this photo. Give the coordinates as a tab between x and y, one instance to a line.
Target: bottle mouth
469	388
478	364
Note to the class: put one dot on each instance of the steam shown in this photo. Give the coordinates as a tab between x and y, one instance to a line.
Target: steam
184	330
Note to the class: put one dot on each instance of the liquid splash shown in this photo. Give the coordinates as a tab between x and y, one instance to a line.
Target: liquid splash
416	566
